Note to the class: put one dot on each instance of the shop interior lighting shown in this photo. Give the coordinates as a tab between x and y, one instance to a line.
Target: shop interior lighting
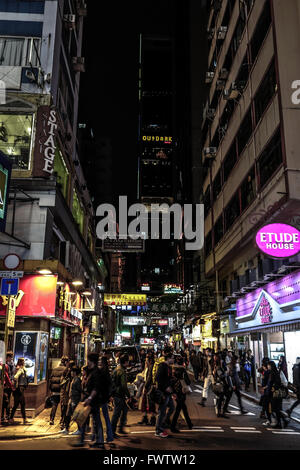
44	271
77	283
86	292
60	283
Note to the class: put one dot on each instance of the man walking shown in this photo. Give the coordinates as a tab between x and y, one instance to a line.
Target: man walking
207	374
194	360
164	378
8	386
120	393
55	381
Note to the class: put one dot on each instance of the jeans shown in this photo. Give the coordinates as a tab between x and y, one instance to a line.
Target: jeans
239	398
207	382
55	401
109	432
162	410
120	411
70	411
5	405
97	426
19	399
196	373
181	405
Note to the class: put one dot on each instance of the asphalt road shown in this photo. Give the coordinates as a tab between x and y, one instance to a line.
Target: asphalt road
238	432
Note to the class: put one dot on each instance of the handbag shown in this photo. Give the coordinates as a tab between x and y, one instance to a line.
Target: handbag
218	388
280	393
81	414
186	389
48	402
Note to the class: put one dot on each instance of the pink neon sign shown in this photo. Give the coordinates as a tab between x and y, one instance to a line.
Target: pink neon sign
278	240
265	310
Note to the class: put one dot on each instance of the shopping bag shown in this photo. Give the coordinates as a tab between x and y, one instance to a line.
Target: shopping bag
81	414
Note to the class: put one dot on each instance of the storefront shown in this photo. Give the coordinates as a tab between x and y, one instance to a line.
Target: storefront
196	336
42	332
209	333
270	319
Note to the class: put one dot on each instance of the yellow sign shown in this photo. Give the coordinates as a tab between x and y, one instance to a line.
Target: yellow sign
157	138
125	299
12	302
207	329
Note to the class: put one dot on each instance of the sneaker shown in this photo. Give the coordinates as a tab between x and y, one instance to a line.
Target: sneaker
227	411
267	423
161	434
76	433
244	412
51	422
64	431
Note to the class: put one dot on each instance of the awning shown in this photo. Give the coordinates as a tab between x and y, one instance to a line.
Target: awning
272	328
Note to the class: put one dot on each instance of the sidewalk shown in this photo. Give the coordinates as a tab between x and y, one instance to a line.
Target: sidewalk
38	427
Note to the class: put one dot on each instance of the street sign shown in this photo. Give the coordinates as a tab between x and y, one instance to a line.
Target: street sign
11	274
11	261
9	286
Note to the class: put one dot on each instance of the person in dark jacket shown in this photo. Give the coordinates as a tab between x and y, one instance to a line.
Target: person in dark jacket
120	393
233	373
282	366
274	402
55	380
74	398
180	375
194	360
106	378
296	384
222	377
8	386
20	385
65	383
164	382
265	372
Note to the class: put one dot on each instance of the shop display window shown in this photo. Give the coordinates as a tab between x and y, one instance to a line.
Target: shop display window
33	346
55	343
16	139
276	350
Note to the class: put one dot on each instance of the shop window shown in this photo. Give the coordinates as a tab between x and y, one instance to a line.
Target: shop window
265	92
261	30
248	191
218	230
244	132
15	138
77	211
232	211
270	159
217	185
62	174
19	51
208	244
229	161
206	201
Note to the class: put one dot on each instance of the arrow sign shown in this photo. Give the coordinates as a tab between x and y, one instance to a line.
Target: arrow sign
9	286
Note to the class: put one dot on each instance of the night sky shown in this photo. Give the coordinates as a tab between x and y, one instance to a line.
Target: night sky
108	92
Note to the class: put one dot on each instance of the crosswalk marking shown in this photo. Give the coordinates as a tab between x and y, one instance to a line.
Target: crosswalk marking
286	433
247	430
241	427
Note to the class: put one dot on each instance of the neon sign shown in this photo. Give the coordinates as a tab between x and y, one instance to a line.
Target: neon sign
278	240
265	310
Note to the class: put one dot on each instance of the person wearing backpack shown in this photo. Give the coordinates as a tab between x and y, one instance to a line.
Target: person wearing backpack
296	383
20	385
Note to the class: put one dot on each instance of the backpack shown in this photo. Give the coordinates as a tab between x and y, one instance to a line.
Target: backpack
23	380
296	375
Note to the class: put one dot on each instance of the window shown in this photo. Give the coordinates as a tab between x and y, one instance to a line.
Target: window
15	138
270	159
232	211
261	30
208	244
229	161
238	32
248	191
244	132
218	230
62	174
77	211
217	185
19	51
265	92
206	201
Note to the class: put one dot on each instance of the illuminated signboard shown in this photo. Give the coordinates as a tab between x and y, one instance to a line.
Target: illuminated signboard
126	334
145	287
157	138
134	321
147	341
125	299
162	322
173	289
5	173
278	240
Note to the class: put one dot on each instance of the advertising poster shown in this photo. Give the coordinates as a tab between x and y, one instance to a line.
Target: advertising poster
25	346
43	354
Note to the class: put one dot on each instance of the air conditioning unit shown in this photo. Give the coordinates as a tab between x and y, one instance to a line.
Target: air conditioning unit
210	33
209	77
210	113
210	152
222	32
234	91
78	64
223	74
70	21
34	75
30	75
220	84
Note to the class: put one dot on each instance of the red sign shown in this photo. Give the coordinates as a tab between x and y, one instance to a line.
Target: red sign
38	299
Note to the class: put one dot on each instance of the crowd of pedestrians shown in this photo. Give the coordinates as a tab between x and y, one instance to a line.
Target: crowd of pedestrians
161	390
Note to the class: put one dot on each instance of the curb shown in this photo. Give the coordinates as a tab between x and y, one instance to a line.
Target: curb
11	437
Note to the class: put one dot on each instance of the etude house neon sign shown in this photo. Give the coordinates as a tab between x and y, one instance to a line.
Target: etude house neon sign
265	311
278	240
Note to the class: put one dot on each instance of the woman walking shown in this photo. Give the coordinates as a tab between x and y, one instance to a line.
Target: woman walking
274	397
20	385
148	406
179	383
